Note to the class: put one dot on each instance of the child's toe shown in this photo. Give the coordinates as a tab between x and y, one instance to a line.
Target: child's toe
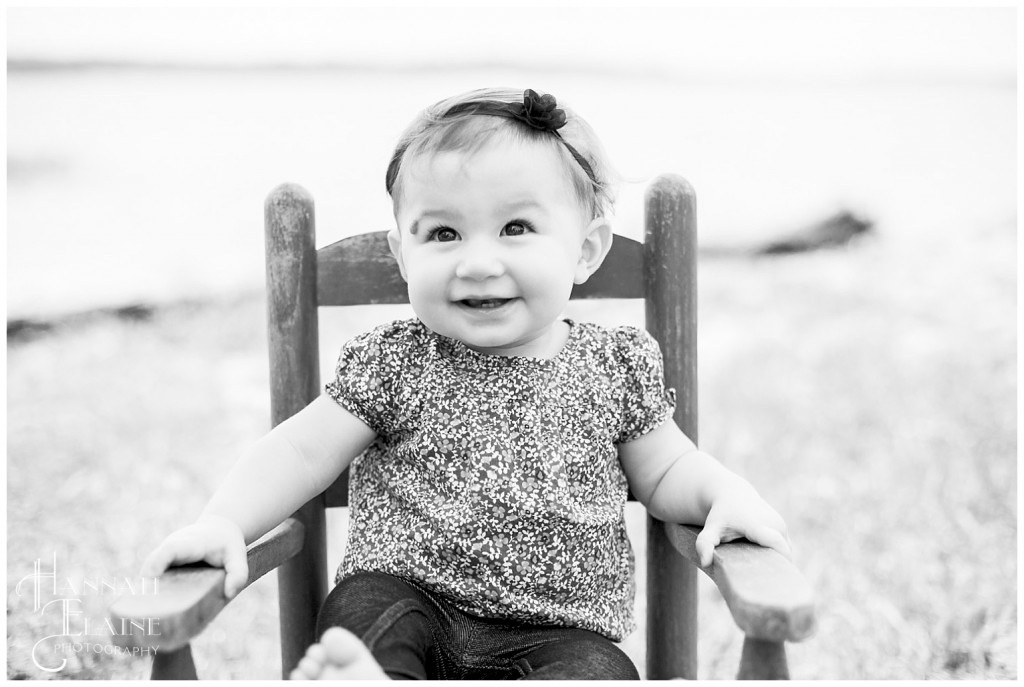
310	667
346	657
339	645
317	653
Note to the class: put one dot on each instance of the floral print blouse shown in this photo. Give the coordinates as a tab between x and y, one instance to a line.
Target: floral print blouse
495	481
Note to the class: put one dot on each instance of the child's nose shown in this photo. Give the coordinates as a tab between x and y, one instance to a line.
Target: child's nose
478	261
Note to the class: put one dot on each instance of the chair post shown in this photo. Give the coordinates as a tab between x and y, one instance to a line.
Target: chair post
670	285
174	665
295	382
763	660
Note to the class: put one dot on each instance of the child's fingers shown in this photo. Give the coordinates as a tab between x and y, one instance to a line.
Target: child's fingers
177	549
707	540
714	534
155	563
167	554
772	539
234	562
236	568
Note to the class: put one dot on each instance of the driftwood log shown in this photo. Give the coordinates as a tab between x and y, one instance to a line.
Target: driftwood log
835	231
832	232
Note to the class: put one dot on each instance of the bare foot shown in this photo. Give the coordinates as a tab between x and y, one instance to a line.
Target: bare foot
339	655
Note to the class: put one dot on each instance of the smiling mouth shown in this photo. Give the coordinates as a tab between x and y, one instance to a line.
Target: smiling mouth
484	303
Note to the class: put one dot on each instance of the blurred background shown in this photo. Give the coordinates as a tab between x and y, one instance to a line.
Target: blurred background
868	389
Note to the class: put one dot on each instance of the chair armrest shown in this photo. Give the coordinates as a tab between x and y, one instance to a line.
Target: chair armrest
188	597
768	597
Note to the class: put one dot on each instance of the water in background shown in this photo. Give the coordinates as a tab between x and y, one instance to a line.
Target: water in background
146	185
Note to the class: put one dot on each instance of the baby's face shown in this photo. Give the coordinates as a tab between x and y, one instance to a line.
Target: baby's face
490	243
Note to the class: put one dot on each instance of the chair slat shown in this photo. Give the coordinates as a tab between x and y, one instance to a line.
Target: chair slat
621	275
336	495
360	270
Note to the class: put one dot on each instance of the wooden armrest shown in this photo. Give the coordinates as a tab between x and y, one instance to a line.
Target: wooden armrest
768	597
188	597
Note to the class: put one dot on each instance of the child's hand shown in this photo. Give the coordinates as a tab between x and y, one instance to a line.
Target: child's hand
742	513
213	539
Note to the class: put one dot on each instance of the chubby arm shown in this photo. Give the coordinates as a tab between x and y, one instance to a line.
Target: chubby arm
679	483
291	464
272	479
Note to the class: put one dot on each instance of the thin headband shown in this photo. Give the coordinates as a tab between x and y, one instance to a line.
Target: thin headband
539	112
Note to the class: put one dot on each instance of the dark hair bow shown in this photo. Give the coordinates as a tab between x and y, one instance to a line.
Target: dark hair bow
540	111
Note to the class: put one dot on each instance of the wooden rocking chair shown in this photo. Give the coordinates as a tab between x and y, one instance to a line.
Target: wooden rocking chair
768	598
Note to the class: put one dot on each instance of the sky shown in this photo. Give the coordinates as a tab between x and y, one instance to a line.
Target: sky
713	41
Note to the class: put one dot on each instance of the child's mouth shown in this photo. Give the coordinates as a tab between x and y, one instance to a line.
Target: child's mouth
485	303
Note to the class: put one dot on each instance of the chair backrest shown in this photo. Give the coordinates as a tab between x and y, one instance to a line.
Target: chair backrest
360	270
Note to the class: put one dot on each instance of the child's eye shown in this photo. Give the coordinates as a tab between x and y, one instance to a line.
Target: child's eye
517	228
443	234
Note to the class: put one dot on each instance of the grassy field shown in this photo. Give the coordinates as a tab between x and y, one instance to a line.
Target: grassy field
869	393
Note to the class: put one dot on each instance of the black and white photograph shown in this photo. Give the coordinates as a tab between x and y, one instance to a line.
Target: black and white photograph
487	342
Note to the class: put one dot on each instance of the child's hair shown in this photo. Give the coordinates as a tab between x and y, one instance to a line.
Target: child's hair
466	122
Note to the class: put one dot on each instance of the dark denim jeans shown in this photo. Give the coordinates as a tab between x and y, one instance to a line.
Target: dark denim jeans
415	635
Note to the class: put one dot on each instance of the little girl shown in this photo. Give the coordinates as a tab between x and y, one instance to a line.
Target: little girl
491	442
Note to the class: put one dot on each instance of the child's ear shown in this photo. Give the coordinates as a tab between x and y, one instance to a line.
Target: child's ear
395	243
597	241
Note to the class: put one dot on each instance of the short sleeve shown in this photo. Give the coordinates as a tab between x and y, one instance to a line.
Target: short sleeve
646	403
365	376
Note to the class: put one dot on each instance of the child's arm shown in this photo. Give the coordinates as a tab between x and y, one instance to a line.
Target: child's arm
293	463
679	483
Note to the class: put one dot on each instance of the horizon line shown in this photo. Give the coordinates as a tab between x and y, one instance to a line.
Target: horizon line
877	76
